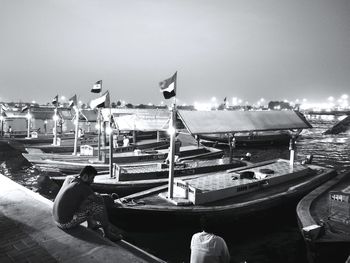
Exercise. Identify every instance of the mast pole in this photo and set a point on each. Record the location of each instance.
(99, 134)
(172, 150)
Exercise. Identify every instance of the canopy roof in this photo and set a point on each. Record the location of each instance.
(142, 120)
(205, 122)
(88, 115)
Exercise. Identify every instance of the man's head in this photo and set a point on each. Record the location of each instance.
(207, 224)
(87, 174)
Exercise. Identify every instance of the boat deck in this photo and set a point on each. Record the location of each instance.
(227, 180)
(150, 199)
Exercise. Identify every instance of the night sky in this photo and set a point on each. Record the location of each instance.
(275, 49)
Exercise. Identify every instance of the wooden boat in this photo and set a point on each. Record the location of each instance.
(131, 179)
(324, 220)
(228, 194)
(244, 139)
(68, 164)
(92, 142)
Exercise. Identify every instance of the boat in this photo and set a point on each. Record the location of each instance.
(324, 220)
(68, 164)
(248, 139)
(231, 194)
(131, 179)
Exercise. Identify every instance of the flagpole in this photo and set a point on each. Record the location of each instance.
(99, 134)
(172, 150)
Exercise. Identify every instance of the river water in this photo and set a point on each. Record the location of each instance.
(271, 237)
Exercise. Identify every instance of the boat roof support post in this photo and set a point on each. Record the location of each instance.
(232, 144)
(76, 122)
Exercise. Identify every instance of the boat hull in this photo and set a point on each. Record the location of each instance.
(331, 241)
(229, 209)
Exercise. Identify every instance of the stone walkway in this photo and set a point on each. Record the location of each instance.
(28, 234)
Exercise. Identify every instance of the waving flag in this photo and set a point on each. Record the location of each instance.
(25, 108)
(168, 87)
(101, 102)
(4, 108)
(55, 100)
(73, 101)
(97, 88)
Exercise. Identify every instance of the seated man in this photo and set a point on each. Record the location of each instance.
(76, 202)
(207, 247)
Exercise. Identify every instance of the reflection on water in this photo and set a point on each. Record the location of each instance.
(273, 237)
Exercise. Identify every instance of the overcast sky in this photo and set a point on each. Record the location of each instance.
(276, 49)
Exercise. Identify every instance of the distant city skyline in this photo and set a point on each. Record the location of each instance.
(247, 50)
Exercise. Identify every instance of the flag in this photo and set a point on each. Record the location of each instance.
(168, 87)
(101, 102)
(25, 108)
(4, 108)
(73, 101)
(55, 100)
(97, 88)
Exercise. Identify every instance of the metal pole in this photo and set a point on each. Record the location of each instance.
(2, 126)
(28, 128)
(134, 136)
(171, 153)
(99, 134)
(110, 148)
(292, 151)
(230, 148)
(55, 128)
(76, 130)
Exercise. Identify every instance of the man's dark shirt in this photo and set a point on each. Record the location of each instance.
(72, 194)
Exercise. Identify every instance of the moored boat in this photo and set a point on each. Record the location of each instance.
(69, 164)
(246, 139)
(131, 179)
(228, 194)
(324, 220)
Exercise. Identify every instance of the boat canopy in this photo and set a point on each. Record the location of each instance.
(142, 120)
(208, 122)
(88, 115)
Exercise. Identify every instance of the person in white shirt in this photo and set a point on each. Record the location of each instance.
(207, 247)
(126, 141)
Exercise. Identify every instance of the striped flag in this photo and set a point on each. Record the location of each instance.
(97, 88)
(4, 108)
(25, 108)
(168, 87)
(55, 100)
(101, 102)
(73, 101)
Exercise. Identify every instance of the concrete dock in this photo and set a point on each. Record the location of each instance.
(29, 234)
